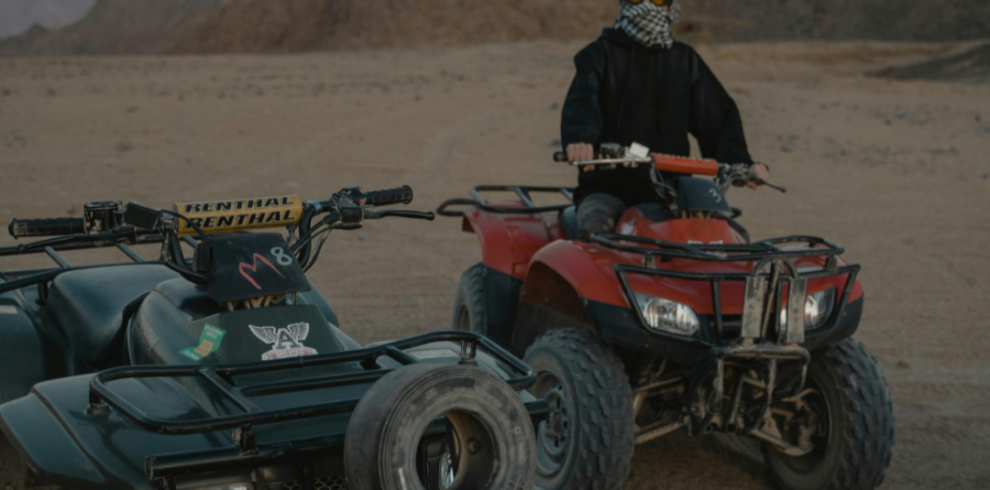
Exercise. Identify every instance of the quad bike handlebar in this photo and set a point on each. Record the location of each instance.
(116, 223)
(399, 195)
(114, 214)
(20, 228)
(613, 155)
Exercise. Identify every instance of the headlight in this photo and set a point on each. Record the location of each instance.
(666, 315)
(817, 308)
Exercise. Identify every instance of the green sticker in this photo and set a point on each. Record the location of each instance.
(209, 341)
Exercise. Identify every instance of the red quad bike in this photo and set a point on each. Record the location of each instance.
(677, 321)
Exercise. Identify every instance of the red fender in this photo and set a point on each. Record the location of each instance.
(509, 241)
(588, 272)
(520, 245)
(586, 268)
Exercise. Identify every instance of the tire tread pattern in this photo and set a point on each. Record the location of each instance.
(607, 439)
(868, 409)
(471, 293)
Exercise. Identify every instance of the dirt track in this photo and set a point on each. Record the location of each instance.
(895, 171)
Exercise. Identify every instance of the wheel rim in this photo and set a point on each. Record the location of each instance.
(553, 436)
(813, 422)
(446, 471)
(471, 460)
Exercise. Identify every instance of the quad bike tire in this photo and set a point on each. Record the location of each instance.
(588, 440)
(470, 307)
(860, 426)
(491, 430)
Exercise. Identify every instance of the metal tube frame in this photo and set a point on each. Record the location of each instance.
(222, 379)
(13, 280)
(522, 191)
(763, 252)
(761, 347)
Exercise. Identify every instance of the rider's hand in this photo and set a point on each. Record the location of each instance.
(761, 172)
(579, 152)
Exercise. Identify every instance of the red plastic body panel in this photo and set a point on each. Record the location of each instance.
(682, 165)
(509, 241)
(513, 243)
(589, 270)
(688, 231)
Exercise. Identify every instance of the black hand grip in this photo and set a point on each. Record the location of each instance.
(46, 227)
(560, 156)
(403, 195)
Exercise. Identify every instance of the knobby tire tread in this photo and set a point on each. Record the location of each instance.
(603, 392)
(869, 436)
(471, 292)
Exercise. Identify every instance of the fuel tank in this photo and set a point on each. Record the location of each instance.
(637, 222)
(179, 324)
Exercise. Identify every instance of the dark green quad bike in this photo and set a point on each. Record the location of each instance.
(226, 370)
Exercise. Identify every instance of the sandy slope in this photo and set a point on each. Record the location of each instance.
(895, 171)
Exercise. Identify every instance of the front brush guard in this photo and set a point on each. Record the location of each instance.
(762, 334)
(759, 320)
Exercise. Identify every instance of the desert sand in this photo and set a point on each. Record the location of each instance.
(896, 171)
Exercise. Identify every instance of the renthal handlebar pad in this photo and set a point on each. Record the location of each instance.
(560, 156)
(46, 227)
(386, 197)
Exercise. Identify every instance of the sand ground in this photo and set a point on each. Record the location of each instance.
(897, 172)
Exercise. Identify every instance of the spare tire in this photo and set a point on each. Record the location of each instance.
(489, 430)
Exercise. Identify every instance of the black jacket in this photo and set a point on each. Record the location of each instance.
(625, 92)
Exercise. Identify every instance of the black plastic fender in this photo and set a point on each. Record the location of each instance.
(44, 444)
(22, 352)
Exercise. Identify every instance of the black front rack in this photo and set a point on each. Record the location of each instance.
(719, 253)
(757, 321)
(762, 334)
(522, 191)
(221, 378)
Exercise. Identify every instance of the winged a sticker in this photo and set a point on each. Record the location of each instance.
(286, 342)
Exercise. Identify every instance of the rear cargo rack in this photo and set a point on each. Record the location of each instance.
(522, 191)
(757, 322)
(102, 397)
(221, 378)
(17, 279)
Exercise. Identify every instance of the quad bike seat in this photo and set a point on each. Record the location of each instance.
(89, 304)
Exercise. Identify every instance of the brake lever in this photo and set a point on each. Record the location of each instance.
(771, 184)
(400, 213)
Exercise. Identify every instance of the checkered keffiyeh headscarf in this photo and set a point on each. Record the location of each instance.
(649, 24)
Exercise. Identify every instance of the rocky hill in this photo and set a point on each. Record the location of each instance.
(17, 16)
(117, 27)
(265, 26)
(299, 25)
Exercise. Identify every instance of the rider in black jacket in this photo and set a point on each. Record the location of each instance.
(635, 84)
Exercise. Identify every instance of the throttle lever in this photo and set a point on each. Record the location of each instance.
(400, 213)
(771, 184)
